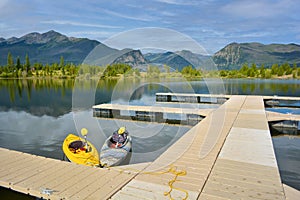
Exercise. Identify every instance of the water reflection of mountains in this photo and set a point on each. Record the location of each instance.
(52, 97)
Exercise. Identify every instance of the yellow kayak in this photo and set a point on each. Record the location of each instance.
(77, 151)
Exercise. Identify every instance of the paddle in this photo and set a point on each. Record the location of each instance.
(84, 133)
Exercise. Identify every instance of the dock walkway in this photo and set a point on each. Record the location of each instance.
(245, 168)
(54, 179)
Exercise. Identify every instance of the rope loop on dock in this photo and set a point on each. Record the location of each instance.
(172, 170)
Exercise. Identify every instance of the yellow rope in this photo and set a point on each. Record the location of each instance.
(172, 170)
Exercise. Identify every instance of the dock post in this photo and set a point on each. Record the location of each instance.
(169, 98)
(116, 114)
(159, 117)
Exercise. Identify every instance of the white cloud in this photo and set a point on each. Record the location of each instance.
(253, 35)
(178, 2)
(65, 22)
(257, 9)
(146, 18)
(97, 35)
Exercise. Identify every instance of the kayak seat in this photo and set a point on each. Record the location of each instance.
(111, 140)
(76, 145)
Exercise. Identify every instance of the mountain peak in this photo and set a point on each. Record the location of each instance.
(53, 34)
(131, 57)
(47, 47)
(234, 55)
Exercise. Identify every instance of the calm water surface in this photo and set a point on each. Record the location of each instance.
(36, 115)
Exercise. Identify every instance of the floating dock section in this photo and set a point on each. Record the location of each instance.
(192, 98)
(279, 101)
(184, 116)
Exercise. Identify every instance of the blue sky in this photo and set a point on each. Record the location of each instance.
(212, 23)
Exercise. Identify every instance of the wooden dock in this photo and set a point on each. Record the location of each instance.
(192, 98)
(269, 101)
(275, 116)
(54, 179)
(228, 155)
(151, 113)
(228, 158)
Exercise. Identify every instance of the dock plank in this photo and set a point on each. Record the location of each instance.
(246, 167)
(31, 174)
(194, 141)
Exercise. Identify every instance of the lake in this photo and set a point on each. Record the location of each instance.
(36, 115)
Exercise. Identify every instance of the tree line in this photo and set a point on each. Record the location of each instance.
(22, 70)
(252, 71)
(69, 70)
(61, 70)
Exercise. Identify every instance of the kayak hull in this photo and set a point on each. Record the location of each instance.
(76, 152)
(111, 155)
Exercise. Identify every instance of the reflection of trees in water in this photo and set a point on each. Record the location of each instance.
(11, 94)
(252, 88)
(18, 86)
(244, 87)
(262, 87)
(37, 96)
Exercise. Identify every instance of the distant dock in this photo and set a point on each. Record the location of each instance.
(192, 98)
(184, 116)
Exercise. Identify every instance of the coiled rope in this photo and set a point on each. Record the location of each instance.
(172, 170)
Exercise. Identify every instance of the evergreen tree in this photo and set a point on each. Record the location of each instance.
(253, 70)
(287, 68)
(280, 71)
(10, 60)
(253, 66)
(244, 69)
(27, 63)
(18, 65)
(268, 74)
(223, 73)
(62, 62)
(294, 66)
(274, 69)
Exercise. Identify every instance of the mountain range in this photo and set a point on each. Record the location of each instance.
(50, 46)
(46, 48)
(234, 55)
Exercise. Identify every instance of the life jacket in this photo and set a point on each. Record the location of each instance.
(119, 138)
